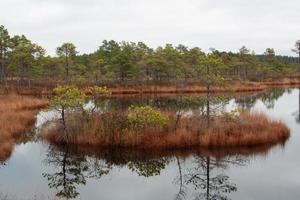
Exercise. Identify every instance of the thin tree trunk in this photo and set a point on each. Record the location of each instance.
(208, 109)
(63, 120)
(180, 177)
(64, 162)
(67, 69)
(207, 177)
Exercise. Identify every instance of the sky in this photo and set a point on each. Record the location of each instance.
(225, 25)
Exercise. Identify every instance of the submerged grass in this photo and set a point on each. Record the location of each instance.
(17, 114)
(109, 130)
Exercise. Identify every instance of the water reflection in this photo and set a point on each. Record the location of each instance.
(206, 178)
(194, 173)
(206, 182)
(268, 97)
(71, 170)
(69, 173)
(170, 103)
(195, 102)
(298, 112)
(198, 176)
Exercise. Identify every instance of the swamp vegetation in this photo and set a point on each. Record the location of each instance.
(69, 165)
(148, 127)
(17, 114)
(91, 132)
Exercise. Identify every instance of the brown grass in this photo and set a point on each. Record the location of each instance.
(188, 88)
(5, 150)
(235, 86)
(249, 130)
(169, 88)
(17, 114)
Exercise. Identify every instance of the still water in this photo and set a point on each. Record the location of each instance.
(36, 170)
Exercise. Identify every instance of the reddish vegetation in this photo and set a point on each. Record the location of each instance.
(5, 150)
(248, 130)
(170, 88)
(197, 88)
(17, 113)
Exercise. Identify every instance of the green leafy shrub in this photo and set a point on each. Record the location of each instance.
(140, 117)
(67, 96)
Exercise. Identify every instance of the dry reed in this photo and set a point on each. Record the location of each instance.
(17, 114)
(248, 130)
(171, 88)
(236, 86)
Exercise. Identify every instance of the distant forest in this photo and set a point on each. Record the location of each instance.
(23, 62)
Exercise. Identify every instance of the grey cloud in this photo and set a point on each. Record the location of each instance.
(225, 25)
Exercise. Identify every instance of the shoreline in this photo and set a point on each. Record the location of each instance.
(167, 88)
(236, 87)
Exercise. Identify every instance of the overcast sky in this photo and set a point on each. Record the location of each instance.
(221, 24)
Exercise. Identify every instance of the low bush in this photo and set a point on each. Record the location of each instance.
(145, 116)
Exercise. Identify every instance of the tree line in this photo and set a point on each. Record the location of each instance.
(23, 62)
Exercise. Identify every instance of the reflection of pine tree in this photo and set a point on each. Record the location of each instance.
(182, 189)
(298, 114)
(268, 97)
(203, 179)
(97, 167)
(72, 171)
(69, 174)
(206, 183)
(72, 168)
(148, 168)
(246, 102)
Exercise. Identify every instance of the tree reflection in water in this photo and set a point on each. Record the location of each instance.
(204, 177)
(297, 113)
(73, 166)
(71, 170)
(268, 98)
(206, 183)
(198, 176)
(148, 168)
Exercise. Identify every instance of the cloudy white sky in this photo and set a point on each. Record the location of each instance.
(221, 24)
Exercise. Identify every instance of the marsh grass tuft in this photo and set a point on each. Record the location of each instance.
(113, 129)
(17, 114)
